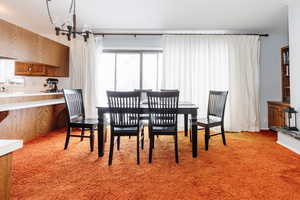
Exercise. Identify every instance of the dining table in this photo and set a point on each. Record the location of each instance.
(184, 108)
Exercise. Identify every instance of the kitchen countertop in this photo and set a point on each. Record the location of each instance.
(26, 94)
(8, 146)
(30, 104)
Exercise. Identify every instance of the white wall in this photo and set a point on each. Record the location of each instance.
(270, 73)
(294, 34)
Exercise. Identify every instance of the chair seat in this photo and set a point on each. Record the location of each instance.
(88, 122)
(211, 122)
(126, 130)
(163, 130)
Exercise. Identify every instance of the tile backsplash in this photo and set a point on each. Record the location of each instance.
(14, 83)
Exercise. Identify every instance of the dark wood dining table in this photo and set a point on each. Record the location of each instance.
(184, 108)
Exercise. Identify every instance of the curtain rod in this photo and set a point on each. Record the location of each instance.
(160, 34)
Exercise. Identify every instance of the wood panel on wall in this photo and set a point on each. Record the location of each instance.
(29, 123)
(5, 176)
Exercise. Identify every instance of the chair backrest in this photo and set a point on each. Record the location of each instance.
(168, 90)
(217, 103)
(74, 102)
(163, 108)
(124, 108)
(143, 93)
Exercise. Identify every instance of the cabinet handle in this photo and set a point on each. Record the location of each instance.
(29, 68)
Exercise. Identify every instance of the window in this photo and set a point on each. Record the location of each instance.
(129, 70)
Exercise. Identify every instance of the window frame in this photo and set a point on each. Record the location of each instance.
(129, 51)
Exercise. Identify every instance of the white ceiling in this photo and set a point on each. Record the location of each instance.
(265, 16)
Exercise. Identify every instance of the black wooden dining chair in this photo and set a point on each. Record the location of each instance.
(215, 116)
(76, 117)
(124, 109)
(163, 109)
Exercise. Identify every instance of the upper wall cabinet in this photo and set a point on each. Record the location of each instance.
(8, 35)
(53, 53)
(26, 46)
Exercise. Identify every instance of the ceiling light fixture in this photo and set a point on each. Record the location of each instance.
(68, 26)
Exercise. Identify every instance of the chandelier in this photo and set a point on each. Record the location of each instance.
(68, 26)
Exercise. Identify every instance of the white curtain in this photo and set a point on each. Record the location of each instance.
(84, 60)
(197, 64)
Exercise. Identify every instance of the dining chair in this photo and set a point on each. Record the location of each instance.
(163, 109)
(215, 116)
(124, 110)
(76, 117)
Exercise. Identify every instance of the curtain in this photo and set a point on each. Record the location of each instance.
(197, 64)
(83, 71)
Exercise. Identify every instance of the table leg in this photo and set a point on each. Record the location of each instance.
(194, 135)
(186, 118)
(100, 134)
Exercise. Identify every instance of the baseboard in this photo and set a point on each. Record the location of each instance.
(289, 142)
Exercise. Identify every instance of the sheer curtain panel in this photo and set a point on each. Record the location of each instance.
(84, 59)
(197, 64)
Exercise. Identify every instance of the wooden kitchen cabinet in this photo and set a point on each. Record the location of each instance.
(28, 69)
(8, 35)
(276, 114)
(32, 69)
(28, 47)
(53, 53)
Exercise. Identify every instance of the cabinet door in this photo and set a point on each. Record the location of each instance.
(7, 40)
(27, 45)
(28, 69)
(276, 115)
(22, 69)
(46, 51)
(38, 70)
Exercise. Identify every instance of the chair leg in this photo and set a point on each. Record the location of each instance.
(82, 134)
(92, 137)
(138, 149)
(151, 148)
(176, 148)
(223, 134)
(153, 141)
(118, 143)
(143, 139)
(105, 134)
(68, 137)
(190, 133)
(111, 150)
(207, 136)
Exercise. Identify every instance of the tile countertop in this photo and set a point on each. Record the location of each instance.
(26, 94)
(30, 104)
(8, 146)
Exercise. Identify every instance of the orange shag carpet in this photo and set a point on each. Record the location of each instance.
(251, 166)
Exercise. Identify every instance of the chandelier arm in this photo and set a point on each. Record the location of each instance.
(74, 18)
(69, 12)
(48, 10)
